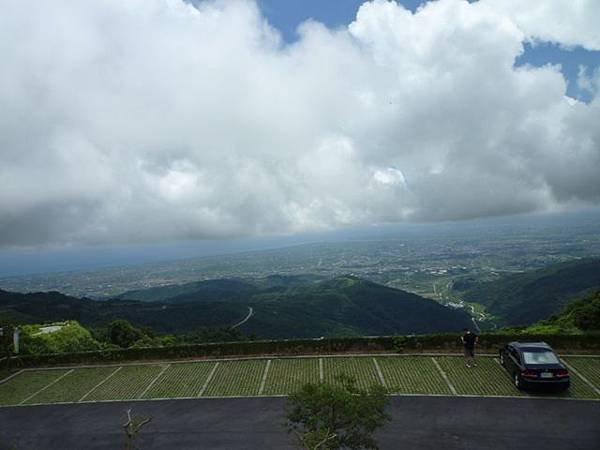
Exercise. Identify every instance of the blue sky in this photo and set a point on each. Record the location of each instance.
(286, 15)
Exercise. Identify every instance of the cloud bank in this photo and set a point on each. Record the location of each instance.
(150, 120)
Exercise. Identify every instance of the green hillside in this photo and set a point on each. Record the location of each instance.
(282, 308)
(206, 291)
(348, 306)
(218, 290)
(525, 298)
(57, 337)
(581, 315)
(41, 307)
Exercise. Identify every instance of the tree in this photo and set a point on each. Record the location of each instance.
(132, 428)
(123, 334)
(7, 343)
(330, 417)
(586, 312)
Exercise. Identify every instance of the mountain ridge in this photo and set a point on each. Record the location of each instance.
(344, 305)
(525, 298)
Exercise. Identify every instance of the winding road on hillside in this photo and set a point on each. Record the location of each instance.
(257, 423)
(250, 313)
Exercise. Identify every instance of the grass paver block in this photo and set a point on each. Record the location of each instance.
(287, 375)
(362, 369)
(17, 389)
(4, 373)
(128, 383)
(488, 378)
(73, 386)
(412, 375)
(402, 375)
(236, 378)
(181, 380)
(588, 367)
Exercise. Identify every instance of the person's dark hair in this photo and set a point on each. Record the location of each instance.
(466, 329)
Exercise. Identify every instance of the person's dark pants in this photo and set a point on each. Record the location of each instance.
(470, 356)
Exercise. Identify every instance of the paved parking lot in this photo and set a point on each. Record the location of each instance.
(424, 423)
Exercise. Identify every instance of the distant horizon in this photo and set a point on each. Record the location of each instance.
(17, 263)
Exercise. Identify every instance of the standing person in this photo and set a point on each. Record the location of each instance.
(469, 340)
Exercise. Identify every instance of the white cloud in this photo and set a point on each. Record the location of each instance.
(566, 22)
(146, 120)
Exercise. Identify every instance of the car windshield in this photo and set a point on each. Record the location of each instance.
(540, 357)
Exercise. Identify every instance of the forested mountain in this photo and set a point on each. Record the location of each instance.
(222, 289)
(524, 298)
(205, 291)
(43, 307)
(349, 306)
(580, 315)
(282, 308)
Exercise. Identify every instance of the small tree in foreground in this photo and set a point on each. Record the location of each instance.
(132, 428)
(331, 417)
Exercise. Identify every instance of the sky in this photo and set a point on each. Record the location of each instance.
(287, 15)
(151, 121)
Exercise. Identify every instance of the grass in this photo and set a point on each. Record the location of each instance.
(128, 383)
(412, 375)
(287, 375)
(236, 378)
(402, 374)
(181, 380)
(4, 373)
(25, 384)
(73, 386)
(488, 378)
(588, 367)
(362, 369)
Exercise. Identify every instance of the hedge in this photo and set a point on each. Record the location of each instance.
(402, 344)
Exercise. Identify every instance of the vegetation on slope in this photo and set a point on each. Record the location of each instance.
(524, 298)
(578, 316)
(41, 307)
(207, 291)
(58, 337)
(346, 306)
(284, 307)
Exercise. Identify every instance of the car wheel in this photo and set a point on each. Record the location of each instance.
(517, 380)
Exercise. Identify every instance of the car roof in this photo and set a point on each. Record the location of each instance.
(531, 345)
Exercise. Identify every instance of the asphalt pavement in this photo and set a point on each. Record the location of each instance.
(258, 423)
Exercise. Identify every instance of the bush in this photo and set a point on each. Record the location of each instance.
(123, 334)
(70, 337)
(330, 417)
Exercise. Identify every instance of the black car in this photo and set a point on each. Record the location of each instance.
(534, 365)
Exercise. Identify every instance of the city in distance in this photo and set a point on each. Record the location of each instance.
(444, 262)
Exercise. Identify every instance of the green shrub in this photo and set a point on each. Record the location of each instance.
(123, 334)
(71, 337)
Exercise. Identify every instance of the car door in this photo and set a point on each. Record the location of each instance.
(514, 360)
(506, 359)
